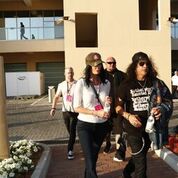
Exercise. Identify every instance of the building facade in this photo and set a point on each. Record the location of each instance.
(61, 33)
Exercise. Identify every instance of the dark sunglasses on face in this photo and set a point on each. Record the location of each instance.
(111, 62)
(142, 63)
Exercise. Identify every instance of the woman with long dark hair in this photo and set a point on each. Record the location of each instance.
(90, 97)
(138, 97)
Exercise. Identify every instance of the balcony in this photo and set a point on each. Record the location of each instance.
(40, 33)
(38, 39)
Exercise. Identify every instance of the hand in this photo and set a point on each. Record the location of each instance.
(102, 113)
(52, 112)
(135, 120)
(156, 112)
(108, 99)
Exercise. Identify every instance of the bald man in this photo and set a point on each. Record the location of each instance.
(115, 76)
(66, 90)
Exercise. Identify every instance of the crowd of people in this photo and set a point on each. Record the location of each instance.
(107, 101)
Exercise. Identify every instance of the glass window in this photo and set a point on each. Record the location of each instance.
(36, 22)
(10, 28)
(49, 33)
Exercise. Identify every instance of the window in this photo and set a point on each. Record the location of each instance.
(86, 30)
(148, 15)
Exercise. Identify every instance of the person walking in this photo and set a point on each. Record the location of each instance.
(66, 90)
(115, 76)
(22, 31)
(174, 80)
(92, 102)
(136, 93)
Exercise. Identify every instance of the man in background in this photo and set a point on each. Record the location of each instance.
(115, 76)
(174, 80)
(66, 91)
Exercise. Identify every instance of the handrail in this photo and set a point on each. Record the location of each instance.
(12, 33)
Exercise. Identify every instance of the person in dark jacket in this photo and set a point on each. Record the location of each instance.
(115, 76)
(134, 104)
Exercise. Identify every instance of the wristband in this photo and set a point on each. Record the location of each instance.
(53, 108)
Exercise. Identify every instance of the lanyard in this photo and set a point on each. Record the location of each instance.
(69, 86)
(97, 94)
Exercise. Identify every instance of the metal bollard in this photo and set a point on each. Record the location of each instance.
(51, 93)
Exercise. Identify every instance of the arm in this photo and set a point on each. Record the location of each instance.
(133, 119)
(55, 100)
(53, 107)
(99, 113)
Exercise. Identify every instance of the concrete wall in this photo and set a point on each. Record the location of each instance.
(31, 45)
(119, 34)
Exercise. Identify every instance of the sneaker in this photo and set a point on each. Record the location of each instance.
(119, 156)
(70, 155)
(107, 148)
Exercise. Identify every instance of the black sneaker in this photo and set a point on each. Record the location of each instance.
(70, 155)
(107, 148)
(119, 156)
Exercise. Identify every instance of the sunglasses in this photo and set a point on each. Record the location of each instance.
(111, 62)
(142, 63)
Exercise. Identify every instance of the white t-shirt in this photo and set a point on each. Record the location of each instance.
(85, 97)
(67, 93)
(174, 80)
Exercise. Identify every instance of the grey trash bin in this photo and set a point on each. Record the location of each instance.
(51, 93)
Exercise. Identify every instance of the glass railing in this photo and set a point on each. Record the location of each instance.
(32, 33)
(174, 31)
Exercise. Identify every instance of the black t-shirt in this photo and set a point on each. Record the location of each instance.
(136, 96)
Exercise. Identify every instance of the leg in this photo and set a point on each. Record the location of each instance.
(91, 136)
(174, 90)
(72, 130)
(100, 134)
(120, 141)
(117, 137)
(139, 160)
(66, 118)
(108, 137)
(120, 148)
(108, 143)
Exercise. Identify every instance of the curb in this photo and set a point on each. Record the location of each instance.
(169, 157)
(43, 164)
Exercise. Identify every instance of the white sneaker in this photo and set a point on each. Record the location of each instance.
(70, 155)
(117, 159)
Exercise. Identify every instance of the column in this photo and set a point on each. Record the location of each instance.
(4, 141)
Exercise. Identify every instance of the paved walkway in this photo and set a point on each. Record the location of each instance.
(60, 167)
(29, 119)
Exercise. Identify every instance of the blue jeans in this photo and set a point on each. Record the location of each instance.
(138, 163)
(70, 120)
(91, 136)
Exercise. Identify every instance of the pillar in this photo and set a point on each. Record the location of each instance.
(4, 142)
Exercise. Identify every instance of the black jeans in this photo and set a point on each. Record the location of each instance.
(91, 136)
(70, 120)
(138, 163)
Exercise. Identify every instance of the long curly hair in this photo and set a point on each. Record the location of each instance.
(137, 57)
(87, 75)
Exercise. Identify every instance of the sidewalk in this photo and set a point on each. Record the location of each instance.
(29, 119)
(60, 167)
